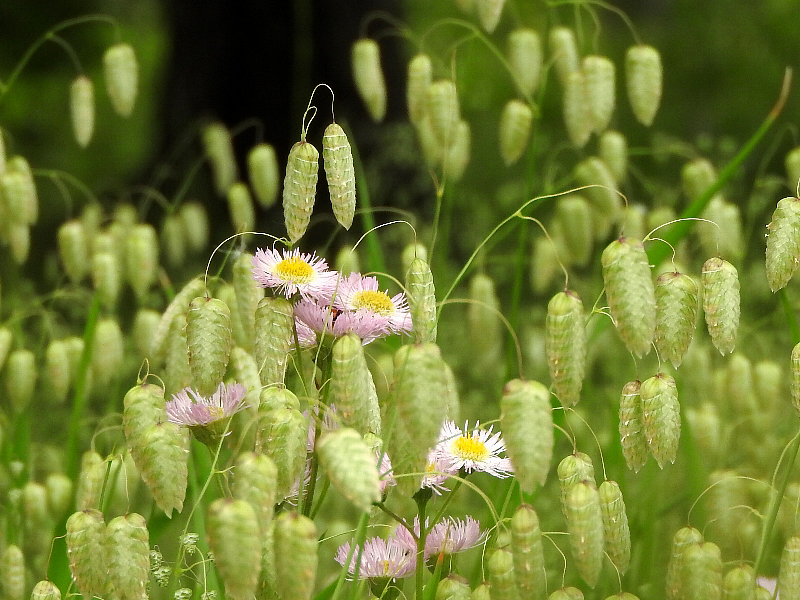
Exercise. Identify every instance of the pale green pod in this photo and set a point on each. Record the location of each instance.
(45, 590)
(75, 347)
(574, 468)
(683, 538)
(347, 261)
(421, 295)
(59, 489)
(218, 148)
(602, 194)
(420, 73)
(769, 382)
(676, 315)
(295, 556)
(128, 547)
(739, 584)
(564, 52)
(122, 77)
(793, 168)
(702, 571)
(631, 428)
(565, 346)
(489, 12)
(457, 154)
(209, 339)
(444, 111)
(616, 532)
(73, 249)
(57, 370)
(453, 587)
(12, 572)
(432, 150)
(697, 176)
(720, 292)
(499, 568)
(194, 217)
(244, 370)
(350, 465)
(661, 417)
(240, 207)
(268, 581)
(612, 148)
(233, 536)
(794, 382)
(585, 527)
(274, 338)
(81, 107)
(108, 351)
(481, 592)
(106, 278)
(90, 481)
(300, 188)
(567, 593)
(177, 374)
(789, 573)
(163, 464)
(783, 243)
(368, 76)
(6, 338)
(630, 293)
(87, 552)
(514, 130)
(255, 479)
(575, 215)
(143, 406)
(528, 553)
(352, 389)
(19, 239)
(337, 159)
(273, 397)
(38, 523)
(524, 56)
(643, 74)
(600, 75)
(172, 239)
(485, 327)
(21, 198)
(577, 116)
(20, 378)
(227, 294)
(141, 258)
(143, 331)
(262, 168)
(283, 436)
(248, 295)
(739, 393)
(178, 305)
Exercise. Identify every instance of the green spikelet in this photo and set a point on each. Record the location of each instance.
(444, 111)
(295, 555)
(453, 587)
(630, 293)
(240, 207)
(233, 535)
(485, 327)
(616, 532)
(697, 176)
(106, 278)
(577, 117)
(574, 468)
(350, 465)
(209, 339)
(631, 427)
(81, 106)
(422, 301)
(87, 552)
(179, 304)
(227, 294)
(38, 523)
(528, 552)
(108, 352)
(352, 388)
(643, 73)
(524, 56)
(283, 438)
(255, 481)
(368, 76)
(565, 346)
(177, 375)
(661, 417)
(19, 239)
(122, 77)
(564, 52)
(45, 590)
(612, 148)
(300, 188)
(793, 167)
(515, 130)
(575, 215)
(739, 584)
(783, 243)
(268, 582)
(676, 315)
(262, 167)
(432, 150)
(623, 596)
(278, 397)
(143, 406)
(457, 155)
(794, 384)
(567, 593)
(489, 12)
(683, 538)
(603, 197)
(194, 217)
(481, 592)
(128, 547)
(527, 424)
(789, 573)
(21, 197)
(500, 571)
(12, 573)
(90, 481)
(274, 338)
(339, 171)
(420, 70)
(245, 371)
(248, 295)
(421, 400)
(600, 75)
(144, 328)
(172, 238)
(20, 376)
(720, 292)
(57, 371)
(141, 258)
(702, 571)
(219, 151)
(73, 250)
(163, 463)
(585, 527)
(59, 494)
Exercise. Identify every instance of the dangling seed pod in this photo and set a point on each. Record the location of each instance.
(300, 188)
(702, 571)
(57, 371)
(577, 117)
(422, 300)
(489, 12)
(86, 550)
(143, 406)
(338, 161)
(631, 428)
(368, 77)
(59, 494)
(81, 105)
(567, 593)
(295, 555)
(179, 304)
(481, 592)
(457, 155)
(574, 468)
(616, 532)
(564, 52)
(661, 417)
(127, 541)
(683, 538)
(352, 387)
(283, 438)
(141, 258)
(177, 373)
(221, 158)
(144, 328)
(720, 292)
(630, 293)
(19, 239)
(793, 168)
(210, 340)
(499, 567)
(21, 375)
(19, 191)
(565, 346)
(420, 70)
(274, 338)
(643, 73)
(515, 130)
(108, 352)
(106, 278)
(612, 148)
(676, 315)
(73, 250)
(273, 397)
(444, 111)
(163, 464)
(575, 215)
(600, 75)
(240, 207)
(602, 194)
(255, 481)
(233, 535)
(262, 167)
(45, 590)
(122, 77)
(350, 465)
(528, 553)
(739, 583)
(789, 573)
(90, 481)
(783, 243)
(248, 295)
(194, 217)
(485, 327)
(524, 57)
(453, 587)
(12, 572)
(585, 527)
(432, 150)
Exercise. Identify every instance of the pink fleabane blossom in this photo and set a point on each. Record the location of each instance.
(473, 450)
(380, 559)
(320, 318)
(189, 408)
(437, 472)
(292, 272)
(360, 295)
(448, 536)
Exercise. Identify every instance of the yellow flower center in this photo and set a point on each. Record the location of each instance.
(377, 302)
(386, 568)
(470, 448)
(294, 269)
(216, 412)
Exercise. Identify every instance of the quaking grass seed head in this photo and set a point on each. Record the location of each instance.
(295, 555)
(128, 547)
(661, 417)
(209, 339)
(338, 161)
(720, 292)
(565, 346)
(676, 315)
(81, 105)
(783, 243)
(524, 55)
(577, 116)
(218, 148)
(350, 466)
(631, 427)
(643, 75)
(121, 71)
(515, 129)
(585, 527)
(422, 300)
(600, 75)
(528, 552)
(86, 541)
(262, 168)
(616, 531)
(564, 52)
(368, 77)
(300, 188)
(420, 73)
(233, 536)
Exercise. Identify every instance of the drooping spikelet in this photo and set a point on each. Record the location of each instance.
(141, 258)
(602, 194)
(720, 291)
(444, 111)
(643, 73)
(489, 12)
(350, 465)
(295, 555)
(422, 300)
(352, 388)
(616, 532)
(368, 77)
(12, 572)
(524, 55)
(661, 417)
(676, 315)
(248, 295)
(702, 571)
(789, 573)
(567, 593)
(128, 547)
(739, 583)
(177, 374)
(87, 553)
(57, 371)
(300, 188)
(631, 428)
(793, 168)
(45, 590)
(179, 304)
(73, 249)
(577, 117)
(564, 52)
(255, 479)
(528, 553)
(630, 293)
(612, 148)
(90, 481)
(585, 527)
(600, 74)
(209, 340)
(219, 151)
(240, 207)
(81, 106)
(143, 406)
(262, 168)
(122, 77)
(683, 538)
(20, 378)
(499, 567)
(163, 464)
(194, 217)
(233, 535)
(283, 436)
(108, 351)
(457, 155)
(453, 587)
(514, 130)
(274, 338)
(106, 272)
(338, 162)
(565, 346)
(420, 70)
(19, 192)
(783, 243)
(574, 214)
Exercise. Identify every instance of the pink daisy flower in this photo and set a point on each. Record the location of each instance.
(321, 318)
(292, 272)
(361, 295)
(189, 408)
(448, 536)
(473, 450)
(380, 559)
(437, 472)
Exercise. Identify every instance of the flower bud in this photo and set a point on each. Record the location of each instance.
(702, 571)
(255, 481)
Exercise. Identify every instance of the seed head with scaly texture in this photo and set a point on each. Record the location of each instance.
(526, 419)
(300, 188)
(565, 346)
(676, 315)
(661, 417)
(295, 555)
(783, 243)
(350, 466)
(721, 303)
(338, 161)
(631, 427)
(209, 338)
(585, 527)
(233, 535)
(616, 532)
(128, 547)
